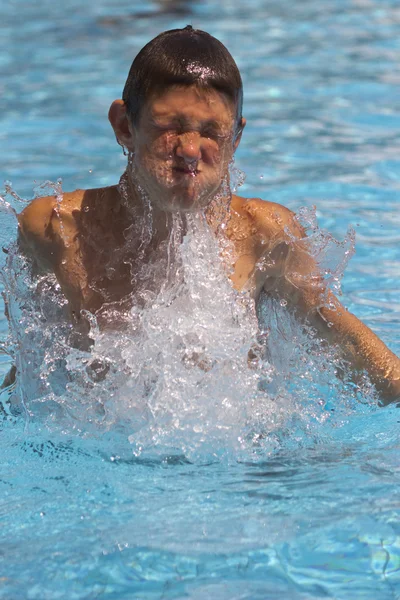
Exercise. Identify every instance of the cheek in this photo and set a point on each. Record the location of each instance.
(218, 162)
(216, 154)
(153, 168)
(163, 147)
(211, 154)
(154, 150)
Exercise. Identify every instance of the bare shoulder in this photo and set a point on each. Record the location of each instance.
(37, 218)
(39, 226)
(268, 217)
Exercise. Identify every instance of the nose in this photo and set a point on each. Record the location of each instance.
(189, 147)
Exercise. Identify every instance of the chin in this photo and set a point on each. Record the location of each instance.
(191, 205)
(182, 206)
(186, 201)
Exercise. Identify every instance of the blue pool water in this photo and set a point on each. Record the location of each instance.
(254, 496)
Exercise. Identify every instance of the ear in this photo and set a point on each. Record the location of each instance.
(239, 132)
(120, 122)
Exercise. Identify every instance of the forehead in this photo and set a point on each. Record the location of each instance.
(191, 104)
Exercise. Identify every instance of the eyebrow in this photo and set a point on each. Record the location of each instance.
(176, 120)
(184, 122)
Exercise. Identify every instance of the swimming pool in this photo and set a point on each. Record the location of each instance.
(310, 509)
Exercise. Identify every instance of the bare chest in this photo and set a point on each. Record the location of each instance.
(109, 263)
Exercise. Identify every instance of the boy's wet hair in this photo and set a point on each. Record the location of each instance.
(182, 57)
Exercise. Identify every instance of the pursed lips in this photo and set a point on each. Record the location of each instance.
(186, 170)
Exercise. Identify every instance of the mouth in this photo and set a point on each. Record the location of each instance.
(186, 171)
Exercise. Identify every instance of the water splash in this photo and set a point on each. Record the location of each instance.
(236, 177)
(330, 255)
(194, 369)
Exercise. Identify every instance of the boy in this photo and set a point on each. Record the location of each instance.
(180, 122)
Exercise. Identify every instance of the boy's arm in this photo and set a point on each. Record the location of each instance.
(294, 276)
(361, 346)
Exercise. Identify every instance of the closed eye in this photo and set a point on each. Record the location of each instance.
(213, 133)
(209, 130)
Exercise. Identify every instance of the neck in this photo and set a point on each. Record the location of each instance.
(159, 223)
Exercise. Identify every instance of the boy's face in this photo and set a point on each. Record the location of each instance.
(182, 146)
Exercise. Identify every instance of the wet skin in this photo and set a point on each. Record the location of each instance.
(181, 146)
(180, 151)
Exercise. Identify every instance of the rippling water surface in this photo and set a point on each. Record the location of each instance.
(241, 485)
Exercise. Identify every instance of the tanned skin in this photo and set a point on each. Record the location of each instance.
(180, 151)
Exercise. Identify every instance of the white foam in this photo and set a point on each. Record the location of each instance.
(176, 375)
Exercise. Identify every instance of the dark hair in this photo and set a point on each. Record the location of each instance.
(182, 57)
